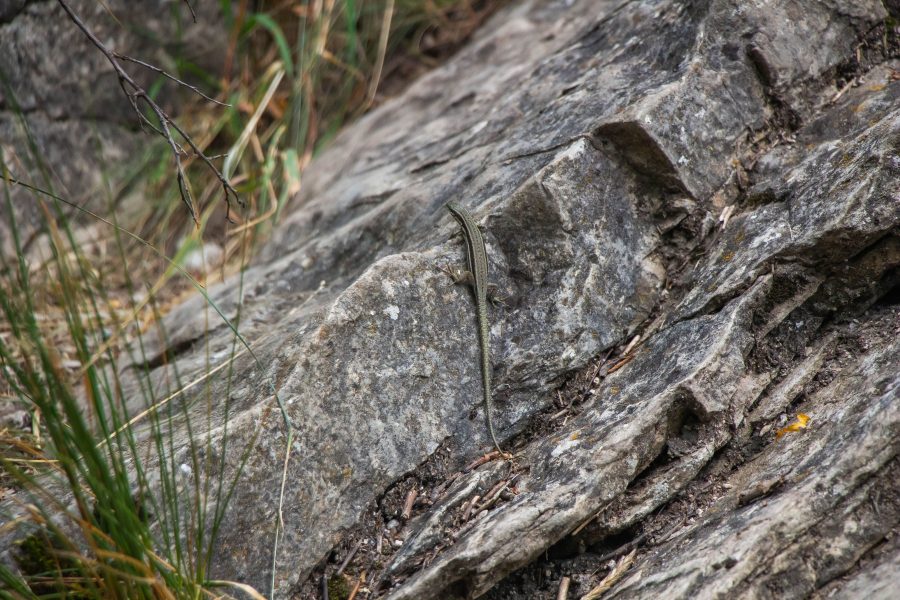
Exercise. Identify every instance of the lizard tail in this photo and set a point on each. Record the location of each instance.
(488, 405)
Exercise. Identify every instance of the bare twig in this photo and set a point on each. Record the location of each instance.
(496, 492)
(843, 91)
(410, 502)
(634, 341)
(726, 215)
(467, 509)
(627, 359)
(563, 592)
(137, 94)
(665, 538)
(560, 413)
(486, 458)
(349, 557)
(359, 582)
(440, 490)
(602, 364)
(191, 8)
(624, 548)
(156, 69)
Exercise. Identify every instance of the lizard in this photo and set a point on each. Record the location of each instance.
(476, 277)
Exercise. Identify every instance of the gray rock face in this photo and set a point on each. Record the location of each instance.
(10, 8)
(597, 143)
(61, 91)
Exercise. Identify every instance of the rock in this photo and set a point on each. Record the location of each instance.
(598, 144)
(9, 9)
(595, 145)
(203, 260)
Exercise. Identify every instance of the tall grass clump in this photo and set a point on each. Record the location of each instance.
(109, 505)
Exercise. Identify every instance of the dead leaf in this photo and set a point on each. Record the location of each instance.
(797, 425)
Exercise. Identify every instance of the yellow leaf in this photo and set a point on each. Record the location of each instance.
(797, 425)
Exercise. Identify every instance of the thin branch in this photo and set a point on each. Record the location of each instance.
(191, 8)
(563, 591)
(137, 94)
(156, 69)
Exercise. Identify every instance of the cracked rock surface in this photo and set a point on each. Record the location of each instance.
(719, 178)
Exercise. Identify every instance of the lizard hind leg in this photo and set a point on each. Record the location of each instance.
(494, 296)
